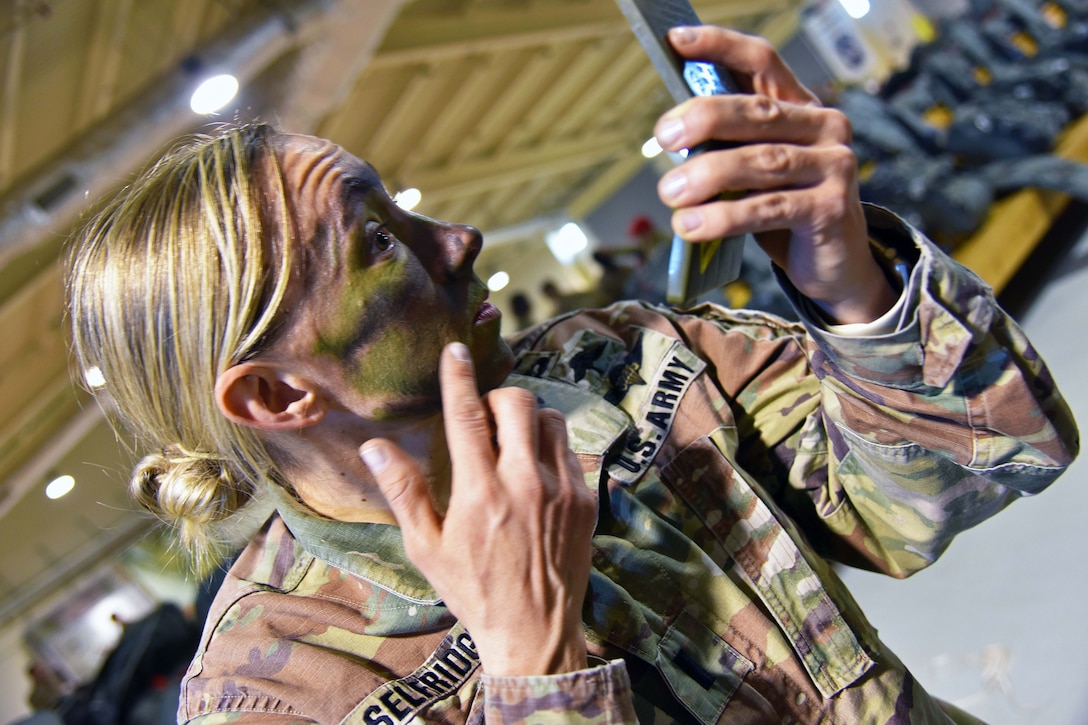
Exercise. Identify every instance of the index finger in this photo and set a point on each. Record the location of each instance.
(467, 423)
(752, 59)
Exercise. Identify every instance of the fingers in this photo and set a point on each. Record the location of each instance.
(758, 213)
(752, 60)
(754, 167)
(405, 490)
(788, 187)
(741, 118)
(554, 453)
(467, 422)
(516, 420)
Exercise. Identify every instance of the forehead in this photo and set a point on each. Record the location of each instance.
(319, 171)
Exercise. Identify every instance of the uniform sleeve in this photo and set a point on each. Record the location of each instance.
(599, 695)
(923, 432)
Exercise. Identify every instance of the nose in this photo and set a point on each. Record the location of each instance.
(463, 244)
(450, 250)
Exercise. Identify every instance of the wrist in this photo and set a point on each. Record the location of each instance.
(879, 289)
(526, 656)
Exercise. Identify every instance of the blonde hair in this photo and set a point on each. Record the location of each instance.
(178, 277)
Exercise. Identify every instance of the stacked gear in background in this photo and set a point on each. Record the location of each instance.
(976, 115)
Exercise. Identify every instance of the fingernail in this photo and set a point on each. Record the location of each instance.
(375, 457)
(669, 131)
(460, 351)
(690, 220)
(673, 186)
(682, 35)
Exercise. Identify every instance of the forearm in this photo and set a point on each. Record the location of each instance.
(934, 426)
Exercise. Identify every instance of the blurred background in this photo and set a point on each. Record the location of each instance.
(532, 120)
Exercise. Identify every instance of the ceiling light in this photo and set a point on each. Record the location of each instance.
(213, 94)
(59, 486)
(856, 8)
(497, 281)
(567, 242)
(651, 148)
(408, 199)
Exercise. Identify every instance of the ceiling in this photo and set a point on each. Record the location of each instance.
(507, 114)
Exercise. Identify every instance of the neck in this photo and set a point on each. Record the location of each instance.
(330, 478)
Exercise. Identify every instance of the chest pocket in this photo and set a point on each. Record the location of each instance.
(766, 554)
(701, 669)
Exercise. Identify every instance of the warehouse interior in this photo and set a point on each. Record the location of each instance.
(528, 119)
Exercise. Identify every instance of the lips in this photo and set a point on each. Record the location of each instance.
(487, 312)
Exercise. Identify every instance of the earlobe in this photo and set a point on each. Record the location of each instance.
(261, 396)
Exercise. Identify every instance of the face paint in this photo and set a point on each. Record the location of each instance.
(389, 289)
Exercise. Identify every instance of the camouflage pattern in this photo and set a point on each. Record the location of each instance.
(735, 455)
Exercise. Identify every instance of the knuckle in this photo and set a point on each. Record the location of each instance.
(762, 109)
(513, 402)
(553, 419)
(397, 486)
(699, 117)
(471, 418)
(512, 397)
(763, 51)
(837, 125)
(772, 158)
(832, 207)
(773, 207)
(843, 162)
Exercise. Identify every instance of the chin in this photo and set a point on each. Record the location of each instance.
(493, 367)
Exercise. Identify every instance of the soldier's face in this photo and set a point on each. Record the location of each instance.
(384, 289)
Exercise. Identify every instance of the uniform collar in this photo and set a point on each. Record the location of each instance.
(375, 552)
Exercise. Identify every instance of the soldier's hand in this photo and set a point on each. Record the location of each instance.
(795, 161)
(511, 554)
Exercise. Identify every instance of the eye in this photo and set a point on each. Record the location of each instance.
(381, 239)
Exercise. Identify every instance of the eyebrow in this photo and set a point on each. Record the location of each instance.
(360, 180)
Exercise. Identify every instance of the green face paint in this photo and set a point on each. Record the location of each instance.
(387, 290)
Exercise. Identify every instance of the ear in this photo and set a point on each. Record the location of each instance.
(260, 395)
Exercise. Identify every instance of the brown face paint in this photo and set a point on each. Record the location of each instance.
(378, 330)
(385, 291)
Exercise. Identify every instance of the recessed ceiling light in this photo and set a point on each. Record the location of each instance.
(59, 486)
(408, 199)
(213, 94)
(566, 242)
(856, 8)
(497, 281)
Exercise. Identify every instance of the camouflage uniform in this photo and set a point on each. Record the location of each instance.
(734, 455)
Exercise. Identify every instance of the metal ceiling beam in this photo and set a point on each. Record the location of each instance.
(106, 156)
(10, 101)
(472, 176)
(350, 33)
(437, 36)
(579, 80)
(100, 73)
(537, 72)
(605, 185)
(33, 474)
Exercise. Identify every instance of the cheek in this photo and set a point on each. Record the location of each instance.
(401, 361)
(357, 311)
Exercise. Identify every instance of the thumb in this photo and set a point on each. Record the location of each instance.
(404, 489)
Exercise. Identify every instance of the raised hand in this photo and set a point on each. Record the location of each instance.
(795, 161)
(510, 556)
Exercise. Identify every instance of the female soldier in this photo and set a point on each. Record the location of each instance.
(264, 314)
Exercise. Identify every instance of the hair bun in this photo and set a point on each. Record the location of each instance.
(185, 486)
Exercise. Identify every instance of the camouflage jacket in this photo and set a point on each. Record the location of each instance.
(735, 456)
